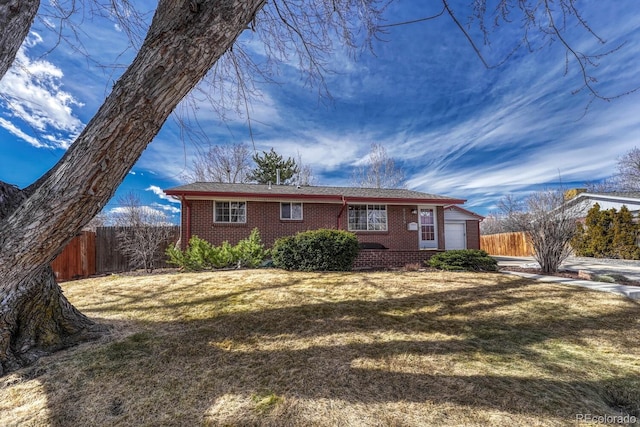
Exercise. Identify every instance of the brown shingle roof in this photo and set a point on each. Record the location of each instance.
(328, 194)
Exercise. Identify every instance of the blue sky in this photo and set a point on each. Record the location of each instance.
(455, 127)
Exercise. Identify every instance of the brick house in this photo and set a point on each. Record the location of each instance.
(395, 227)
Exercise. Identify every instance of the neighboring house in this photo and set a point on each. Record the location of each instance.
(395, 227)
(585, 201)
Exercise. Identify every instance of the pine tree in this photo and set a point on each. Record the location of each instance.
(268, 165)
(599, 233)
(625, 232)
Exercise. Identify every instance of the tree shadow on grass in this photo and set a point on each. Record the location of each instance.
(473, 347)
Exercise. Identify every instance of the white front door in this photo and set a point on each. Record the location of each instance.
(454, 236)
(427, 228)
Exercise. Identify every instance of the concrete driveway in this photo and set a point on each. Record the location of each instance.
(629, 269)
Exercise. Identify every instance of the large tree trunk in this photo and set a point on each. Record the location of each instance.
(16, 17)
(185, 39)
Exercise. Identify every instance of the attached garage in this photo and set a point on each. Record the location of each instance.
(455, 235)
(461, 228)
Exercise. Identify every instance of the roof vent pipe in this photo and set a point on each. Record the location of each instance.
(269, 185)
(277, 176)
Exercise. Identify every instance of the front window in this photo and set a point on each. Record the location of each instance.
(232, 212)
(367, 217)
(291, 211)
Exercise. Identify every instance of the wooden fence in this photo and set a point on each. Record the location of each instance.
(96, 253)
(78, 259)
(109, 259)
(506, 244)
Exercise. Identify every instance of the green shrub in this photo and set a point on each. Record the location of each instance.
(202, 255)
(316, 250)
(222, 256)
(250, 252)
(463, 260)
(195, 257)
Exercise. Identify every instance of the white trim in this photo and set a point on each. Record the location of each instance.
(291, 211)
(215, 202)
(366, 205)
(428, 244)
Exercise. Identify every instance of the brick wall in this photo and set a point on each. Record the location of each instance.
(370, 258)
(402, 243)
(473, 234)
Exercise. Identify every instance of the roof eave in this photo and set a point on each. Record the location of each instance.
(319, 197)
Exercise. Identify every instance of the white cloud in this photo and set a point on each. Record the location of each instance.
(32, 93)
(166, 208)
(158, 192)
(150, 213)
(20, 134)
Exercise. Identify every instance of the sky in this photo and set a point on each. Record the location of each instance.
(454, 126)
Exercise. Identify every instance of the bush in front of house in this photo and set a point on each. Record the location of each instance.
(202, 255)
(316, 250)
(250, 252)
(463, 260)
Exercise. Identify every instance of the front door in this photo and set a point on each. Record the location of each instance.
(427, 227)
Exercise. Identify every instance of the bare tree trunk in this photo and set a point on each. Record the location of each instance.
(185, 39)
(36, 319)
(16, 17)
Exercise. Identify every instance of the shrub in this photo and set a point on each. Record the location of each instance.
(195, 257)
(316, 250)
(202, 255)
(250, 252)
(463, 260)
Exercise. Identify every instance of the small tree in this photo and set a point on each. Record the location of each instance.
(628, 175)
(378, 171)
(550, 225)
(304, 175)
(222, 163)
(143, 232)
(271, 166)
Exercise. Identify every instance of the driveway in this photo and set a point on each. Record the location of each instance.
(629, 269)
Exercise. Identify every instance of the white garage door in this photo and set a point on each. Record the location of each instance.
(454, 236)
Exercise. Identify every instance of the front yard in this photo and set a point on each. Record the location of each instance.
(267, 347)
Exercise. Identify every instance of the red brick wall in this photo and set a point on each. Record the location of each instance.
(402, 244)
(473, 234)
(368, 258)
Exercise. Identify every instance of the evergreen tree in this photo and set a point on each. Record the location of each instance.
(268, 165)
(607, 234)
(625, 232)
(600, 231)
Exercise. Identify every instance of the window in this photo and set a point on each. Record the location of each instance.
(367, 217)
(291, 211)
(233, 212)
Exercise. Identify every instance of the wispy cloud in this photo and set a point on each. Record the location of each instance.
(32, 92)
(158, 192)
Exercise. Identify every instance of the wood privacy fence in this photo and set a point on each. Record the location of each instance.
(78, 259)
(92, 253)
(506, 244)
(109, 259)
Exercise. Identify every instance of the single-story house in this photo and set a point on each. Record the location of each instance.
(586, 200)
(395, 227)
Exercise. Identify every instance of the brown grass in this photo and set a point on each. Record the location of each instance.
(332, 349)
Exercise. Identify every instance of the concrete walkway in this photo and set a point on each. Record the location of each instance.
(628, 269)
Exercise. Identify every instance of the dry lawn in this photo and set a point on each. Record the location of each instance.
(274, 348)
